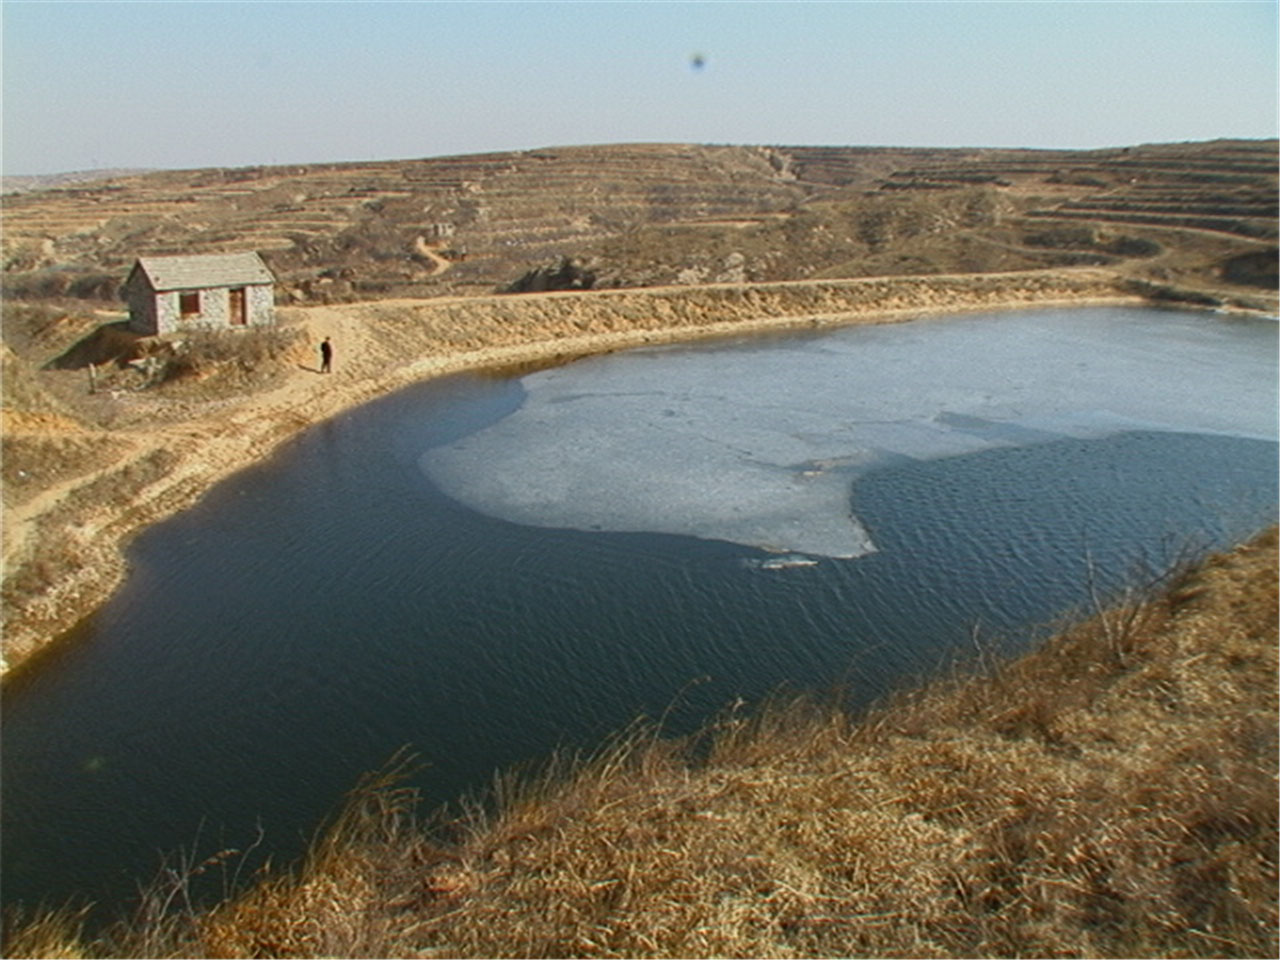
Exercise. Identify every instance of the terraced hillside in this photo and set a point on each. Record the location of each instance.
(1198, 214)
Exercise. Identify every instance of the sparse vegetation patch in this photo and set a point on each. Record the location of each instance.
(238, 358)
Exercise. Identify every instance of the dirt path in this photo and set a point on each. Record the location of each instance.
(423, 249)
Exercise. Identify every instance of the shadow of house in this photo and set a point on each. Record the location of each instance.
(225, 290)
(110, 343)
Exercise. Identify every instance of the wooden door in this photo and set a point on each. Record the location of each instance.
(237, 316)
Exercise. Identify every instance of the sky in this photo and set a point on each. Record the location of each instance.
(180, 84)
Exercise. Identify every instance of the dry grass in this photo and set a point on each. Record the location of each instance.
(1110, 794)
(31, 583)
(210, 364)
(31, 463)
(53, 934)
(51, 348)
(33, 336)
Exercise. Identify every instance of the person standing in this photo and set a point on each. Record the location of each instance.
(326, 356)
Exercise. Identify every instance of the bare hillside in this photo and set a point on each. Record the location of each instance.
(642, 215)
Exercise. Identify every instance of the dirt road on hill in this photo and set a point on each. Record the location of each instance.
(63, 545)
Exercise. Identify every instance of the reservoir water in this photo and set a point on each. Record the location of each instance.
(485, 568)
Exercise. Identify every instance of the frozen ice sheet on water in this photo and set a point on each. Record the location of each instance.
(631, 461)
(761, 443)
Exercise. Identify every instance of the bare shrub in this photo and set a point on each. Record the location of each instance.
(206, 350)
(62, 281)
(349, 898)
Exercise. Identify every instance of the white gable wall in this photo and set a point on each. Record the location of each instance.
(260, 304)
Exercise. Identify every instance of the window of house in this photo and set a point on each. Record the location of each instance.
(189, 304)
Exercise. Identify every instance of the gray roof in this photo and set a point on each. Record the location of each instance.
(210, 270)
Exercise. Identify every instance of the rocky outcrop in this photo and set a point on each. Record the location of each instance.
(565, 273)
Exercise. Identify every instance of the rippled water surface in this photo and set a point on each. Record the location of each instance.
(486, 568)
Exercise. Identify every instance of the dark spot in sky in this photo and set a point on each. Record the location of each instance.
(697, 61)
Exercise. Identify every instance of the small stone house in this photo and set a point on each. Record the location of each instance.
(168, 294)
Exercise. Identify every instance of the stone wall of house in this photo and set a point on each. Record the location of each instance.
(215, 308)
(167, 311)
(260, 303)
(142, 309)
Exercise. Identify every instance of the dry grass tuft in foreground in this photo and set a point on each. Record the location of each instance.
(1111, 794)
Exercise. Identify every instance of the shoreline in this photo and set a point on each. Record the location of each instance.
(450, 336)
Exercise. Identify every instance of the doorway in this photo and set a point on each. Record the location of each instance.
(237, 317)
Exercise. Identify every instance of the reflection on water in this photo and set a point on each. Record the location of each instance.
(315, 614)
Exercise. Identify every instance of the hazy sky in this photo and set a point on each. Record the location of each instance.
(193, 84)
